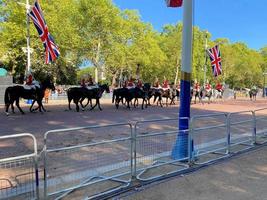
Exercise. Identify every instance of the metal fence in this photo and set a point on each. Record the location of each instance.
(242, 130)
(99, 160)
(261, 128)
(154, 141)
(19, 173)
(73, 168)
(209, 137)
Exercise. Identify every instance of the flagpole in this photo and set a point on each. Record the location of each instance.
(205, 65)
(28, 36)
(180, 149)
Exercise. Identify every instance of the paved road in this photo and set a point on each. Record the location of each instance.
(59, 117)
(240, 178)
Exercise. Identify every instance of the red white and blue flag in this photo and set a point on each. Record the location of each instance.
(215, 58)
(174, 3)
(51, 49)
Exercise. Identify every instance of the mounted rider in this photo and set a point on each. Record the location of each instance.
(83, 82)
(130, 83)
(196, 86)
(156, 83)
(139, 83)
(219, 87)
(30, 82)
(165, 84)
(208, 86)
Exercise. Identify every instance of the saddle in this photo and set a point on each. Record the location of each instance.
(34, 86)
(91, 87)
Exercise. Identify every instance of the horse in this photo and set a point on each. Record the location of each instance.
(118, 95)
(129, 95)
(143, 94)
(205, 93)
(217, 94)
(78, 94)
(253, 94)
(195, 94)
(14, 93)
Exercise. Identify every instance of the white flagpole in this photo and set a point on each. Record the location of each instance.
(180, 149)
(28, 36)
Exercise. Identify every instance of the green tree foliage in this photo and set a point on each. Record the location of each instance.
(115, 41)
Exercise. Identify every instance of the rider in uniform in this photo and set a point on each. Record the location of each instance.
(156, 83)
(196, 86)
(31, 83)
(165, 84)
(130, 83)
(219, 87)
(139, 83)
(208, 87)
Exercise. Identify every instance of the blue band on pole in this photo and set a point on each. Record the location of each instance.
(180, 149)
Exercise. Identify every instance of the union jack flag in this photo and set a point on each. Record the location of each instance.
(51, 49)
(174, 3)
(215, 58)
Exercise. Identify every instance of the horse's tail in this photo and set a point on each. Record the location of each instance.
(113, 96)
(7, 97)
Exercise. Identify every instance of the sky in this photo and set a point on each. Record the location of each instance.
(238, 20)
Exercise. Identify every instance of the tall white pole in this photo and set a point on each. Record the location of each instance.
(205, 65)
(180, 149)
(28, 36)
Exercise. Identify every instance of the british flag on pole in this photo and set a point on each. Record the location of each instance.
(215, 58)
(51, 49)
(174, 3)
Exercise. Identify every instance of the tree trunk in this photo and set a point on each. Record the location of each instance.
(114, 77)
(177, 71)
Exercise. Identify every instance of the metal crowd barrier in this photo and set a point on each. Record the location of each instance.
(209, 140)
(79, 166)
(242, 130)
(261, 121)
(19, 173)
(96, 167)
(154, 141)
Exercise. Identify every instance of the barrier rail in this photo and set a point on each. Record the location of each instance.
(87, 164)
(19, 174)
(207, 142)
(261, 121)
(98, 167)
(153, 147)
(242, 130)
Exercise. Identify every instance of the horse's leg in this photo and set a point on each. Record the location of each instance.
(40, 105)
(17, 104)
(167, 101)
(76, 101)
(31, 110)
(135, 100)
(12, 108)
(69, 99)
(7, 107)
(98, 103)
(143, 104)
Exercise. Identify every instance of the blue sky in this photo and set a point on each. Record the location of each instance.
(238, 20)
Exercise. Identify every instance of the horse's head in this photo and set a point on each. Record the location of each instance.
(105, 88)
(48, 83)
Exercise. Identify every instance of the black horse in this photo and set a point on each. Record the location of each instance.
(78, 94)
(253, 94)
(129, 95)
(14, 93)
